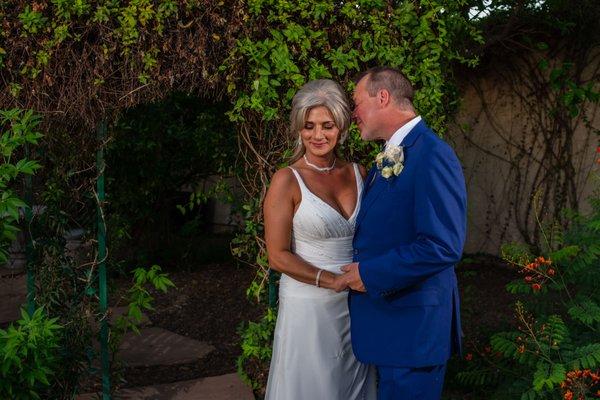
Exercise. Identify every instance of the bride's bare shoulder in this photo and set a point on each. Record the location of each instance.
(283, 180)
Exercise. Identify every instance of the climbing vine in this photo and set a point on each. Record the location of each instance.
(546, 69)
(81, 61)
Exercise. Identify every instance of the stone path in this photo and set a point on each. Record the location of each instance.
(154, 346)
(224, 387)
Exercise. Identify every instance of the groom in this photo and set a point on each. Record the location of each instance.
(410, 232)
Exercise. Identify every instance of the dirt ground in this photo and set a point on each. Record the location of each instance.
(486, 307)
(210, 302)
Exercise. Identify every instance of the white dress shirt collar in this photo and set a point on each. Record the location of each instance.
(402, 132)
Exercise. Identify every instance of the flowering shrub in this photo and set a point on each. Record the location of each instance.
(577, 381)
(555, 350)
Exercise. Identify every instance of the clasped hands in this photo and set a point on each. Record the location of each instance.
(349, 279)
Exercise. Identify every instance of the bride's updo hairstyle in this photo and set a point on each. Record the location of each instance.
(320, 92)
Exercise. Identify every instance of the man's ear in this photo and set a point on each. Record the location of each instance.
(383, 97)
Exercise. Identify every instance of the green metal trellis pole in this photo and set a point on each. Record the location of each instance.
(103, 292)
(28, 241)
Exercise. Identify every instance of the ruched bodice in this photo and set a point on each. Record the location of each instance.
(321, 236)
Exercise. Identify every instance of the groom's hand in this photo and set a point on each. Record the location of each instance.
(352, 277)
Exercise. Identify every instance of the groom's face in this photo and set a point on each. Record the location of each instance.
(365, 110)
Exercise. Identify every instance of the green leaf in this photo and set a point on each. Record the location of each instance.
(585, 357)
(565, 254)
(548, 375)
(585, 310)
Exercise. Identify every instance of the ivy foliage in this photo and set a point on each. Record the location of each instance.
(83, 61)
(291, 42)
(18, 130)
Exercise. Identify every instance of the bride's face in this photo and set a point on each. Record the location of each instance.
(320, 133)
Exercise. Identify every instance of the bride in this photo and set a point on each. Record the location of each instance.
(310, 211)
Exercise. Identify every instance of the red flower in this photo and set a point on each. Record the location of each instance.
(528, 278)
(532, 265)
(469, 357)
(536, 287)
(568, 395)
(550, 272)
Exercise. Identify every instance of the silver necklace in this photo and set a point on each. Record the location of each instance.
(320, 169)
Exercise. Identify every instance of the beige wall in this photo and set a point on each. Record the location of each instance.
(491, 127)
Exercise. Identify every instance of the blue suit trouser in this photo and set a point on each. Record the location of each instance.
(411, 383)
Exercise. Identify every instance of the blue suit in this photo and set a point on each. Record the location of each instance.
(410, 233)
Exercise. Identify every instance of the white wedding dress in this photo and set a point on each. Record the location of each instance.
(312, 353)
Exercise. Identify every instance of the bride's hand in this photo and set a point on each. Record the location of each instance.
(339, 283)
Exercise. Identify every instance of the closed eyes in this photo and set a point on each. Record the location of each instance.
(327, 125)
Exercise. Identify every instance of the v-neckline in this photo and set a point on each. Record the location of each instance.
(356, 205)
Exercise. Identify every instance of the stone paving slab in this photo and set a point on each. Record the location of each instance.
(224, 387)
(13, 295)
(156, 346)
(9, 271)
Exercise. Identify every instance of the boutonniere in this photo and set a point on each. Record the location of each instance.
(390, 162)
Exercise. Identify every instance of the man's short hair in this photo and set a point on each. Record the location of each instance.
(392, 80)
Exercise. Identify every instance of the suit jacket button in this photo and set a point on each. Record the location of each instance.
(355, 252)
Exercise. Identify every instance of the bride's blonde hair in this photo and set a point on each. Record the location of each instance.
(317, 93)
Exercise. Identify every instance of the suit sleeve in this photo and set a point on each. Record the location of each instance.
(440, 222)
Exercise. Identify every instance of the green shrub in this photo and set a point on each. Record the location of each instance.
(253, 364)
(137, 299)
(555, 350)
(28, 356)
(18, 128)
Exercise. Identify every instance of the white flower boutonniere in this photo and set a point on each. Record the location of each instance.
(390, 162)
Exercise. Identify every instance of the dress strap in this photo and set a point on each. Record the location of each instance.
(301, 183)
(358, 178)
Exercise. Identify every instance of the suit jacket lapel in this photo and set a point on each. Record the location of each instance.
(369, 180)
(370, 195)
